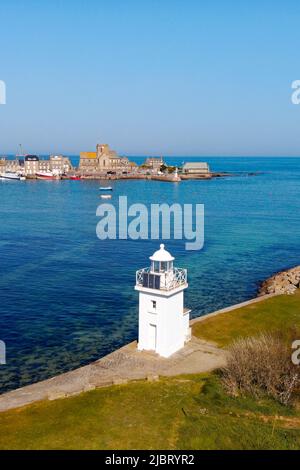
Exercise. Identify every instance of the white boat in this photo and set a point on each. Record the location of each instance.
(11, 175)
(106, 188)
(105, 196)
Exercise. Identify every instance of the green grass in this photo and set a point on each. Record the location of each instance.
(277, 313)
(187, 412)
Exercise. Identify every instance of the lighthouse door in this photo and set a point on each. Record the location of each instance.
(152, 337)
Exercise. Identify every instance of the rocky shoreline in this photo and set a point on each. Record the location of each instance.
(284, 282)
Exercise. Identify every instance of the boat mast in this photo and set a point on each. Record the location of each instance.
(20, 154)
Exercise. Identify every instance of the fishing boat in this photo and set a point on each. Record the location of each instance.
(106, 188)
(47, 175)
(75, 177)
(11, 175)
(105, 196)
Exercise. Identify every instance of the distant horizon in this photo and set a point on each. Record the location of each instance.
(147, 155)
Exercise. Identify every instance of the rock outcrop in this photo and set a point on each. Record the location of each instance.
(285, 282)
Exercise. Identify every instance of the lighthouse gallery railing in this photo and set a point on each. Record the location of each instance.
(162, 281)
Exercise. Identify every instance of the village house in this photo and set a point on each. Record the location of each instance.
(57, 163)
(154, 163)
(16, 165)
(31, 165)
(2, 164)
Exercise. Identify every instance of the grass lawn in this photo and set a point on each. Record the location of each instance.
(277, 313)
(188, 412)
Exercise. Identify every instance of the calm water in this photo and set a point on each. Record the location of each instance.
(67, 298)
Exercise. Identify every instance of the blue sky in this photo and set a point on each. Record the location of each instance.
(170, 77)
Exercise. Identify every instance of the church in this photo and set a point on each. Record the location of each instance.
(103, 160)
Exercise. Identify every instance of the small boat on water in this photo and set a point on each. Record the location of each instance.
(106, 188)
(11, 175)
(105, 196)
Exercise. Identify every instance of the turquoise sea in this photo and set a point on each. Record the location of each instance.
(68, 298)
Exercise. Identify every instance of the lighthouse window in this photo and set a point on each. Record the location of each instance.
(156, 266)
(153, 304)
(163, 266)
(151, 281)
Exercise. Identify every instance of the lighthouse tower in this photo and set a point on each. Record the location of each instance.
(163, 320)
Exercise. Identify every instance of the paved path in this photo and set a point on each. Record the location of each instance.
(118, 367)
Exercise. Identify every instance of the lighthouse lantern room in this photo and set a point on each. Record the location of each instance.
(163, 319)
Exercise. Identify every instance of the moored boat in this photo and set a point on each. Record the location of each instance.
(47, 175)
(11, 175)
(106, 188)
(105, 196)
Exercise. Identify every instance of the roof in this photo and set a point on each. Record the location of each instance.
(31, 158)
(195, 165)
(162, 255)
(88, 155)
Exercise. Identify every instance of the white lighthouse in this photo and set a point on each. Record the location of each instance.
(163, 319)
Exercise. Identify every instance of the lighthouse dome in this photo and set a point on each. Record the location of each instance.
(162, 255)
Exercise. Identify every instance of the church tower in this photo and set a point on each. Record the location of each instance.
(163, 319)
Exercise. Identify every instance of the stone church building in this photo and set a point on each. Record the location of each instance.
(103, 160)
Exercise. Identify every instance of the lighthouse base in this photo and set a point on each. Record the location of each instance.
(164, 354)
(167, 352)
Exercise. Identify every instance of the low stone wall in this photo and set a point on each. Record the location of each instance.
(284, 282)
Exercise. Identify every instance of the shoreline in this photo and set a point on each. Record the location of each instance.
(138, 176)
